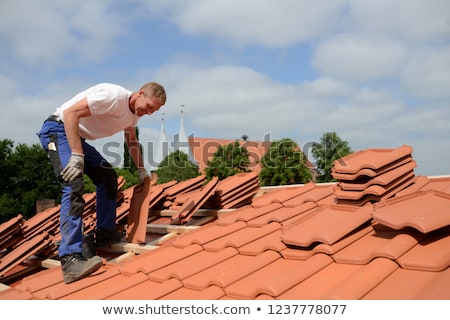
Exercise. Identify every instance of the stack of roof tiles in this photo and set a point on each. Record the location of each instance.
(373, 175)
(228, 196)
(175, 195)
(192, 201)
(232, 192)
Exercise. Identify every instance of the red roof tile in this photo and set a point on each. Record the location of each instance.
(138, 213)
(235, 268)
(383, 179)
(192, 265)
(374, 159)
(412, 285)
(326, 225)
(431, 254)
(425, 211)
(277, 277)
(378, 244)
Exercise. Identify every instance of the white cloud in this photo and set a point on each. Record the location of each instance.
(427, 73)
(45, 33)
(268, 23)
(328, 88)
(282, 23)
(414, 21)
(358, 58)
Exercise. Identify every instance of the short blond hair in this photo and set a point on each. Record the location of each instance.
(154, 89)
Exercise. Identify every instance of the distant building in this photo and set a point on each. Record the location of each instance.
(162, 148)
(181, 142)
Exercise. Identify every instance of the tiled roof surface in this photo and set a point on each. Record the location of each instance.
(292, 242)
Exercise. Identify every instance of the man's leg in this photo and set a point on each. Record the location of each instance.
(54, 142)
(105, 179)
(74, 265)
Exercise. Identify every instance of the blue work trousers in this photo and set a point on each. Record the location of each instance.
(54, 141)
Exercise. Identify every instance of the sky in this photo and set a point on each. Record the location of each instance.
(375, 72)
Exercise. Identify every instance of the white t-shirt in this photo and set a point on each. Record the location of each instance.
(110, 112)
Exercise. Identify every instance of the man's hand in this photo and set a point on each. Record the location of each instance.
(74, 167)
(142, 174)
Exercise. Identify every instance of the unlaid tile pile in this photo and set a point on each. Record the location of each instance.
(8, 230)
(193, 201)
(27, 238)
(372, 175)
(175, 196)
(234, 191)
(186, 197)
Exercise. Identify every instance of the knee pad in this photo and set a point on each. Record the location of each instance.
(76, 196)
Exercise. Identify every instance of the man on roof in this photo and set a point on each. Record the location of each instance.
(100, 111)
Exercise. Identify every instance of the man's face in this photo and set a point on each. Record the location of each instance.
(146, 105)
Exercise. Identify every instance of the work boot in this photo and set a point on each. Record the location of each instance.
(75, 266)
(104, 238)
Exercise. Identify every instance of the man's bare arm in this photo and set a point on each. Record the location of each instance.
(134, 147)
(72, 117)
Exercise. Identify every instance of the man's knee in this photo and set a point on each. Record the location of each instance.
(106, 175)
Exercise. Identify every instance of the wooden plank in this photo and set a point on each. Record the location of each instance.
(164, 228)
(201, 221)
(4, 287)
(162, 239)
(123, 257)
(130, 247)
(198, 213)
(50, 263)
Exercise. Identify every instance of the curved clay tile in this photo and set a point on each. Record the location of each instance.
(326, 225)
(374, 159)
(425, 211)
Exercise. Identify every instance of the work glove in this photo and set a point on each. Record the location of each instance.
(74, 167)
(142, 174)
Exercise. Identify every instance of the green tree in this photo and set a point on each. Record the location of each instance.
(283, 164)
(330, 148)
(227, 161)
(6, 149)
(176, 166)
(27, 176)
(131, 178)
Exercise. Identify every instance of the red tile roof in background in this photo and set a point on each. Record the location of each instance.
(380, 232)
